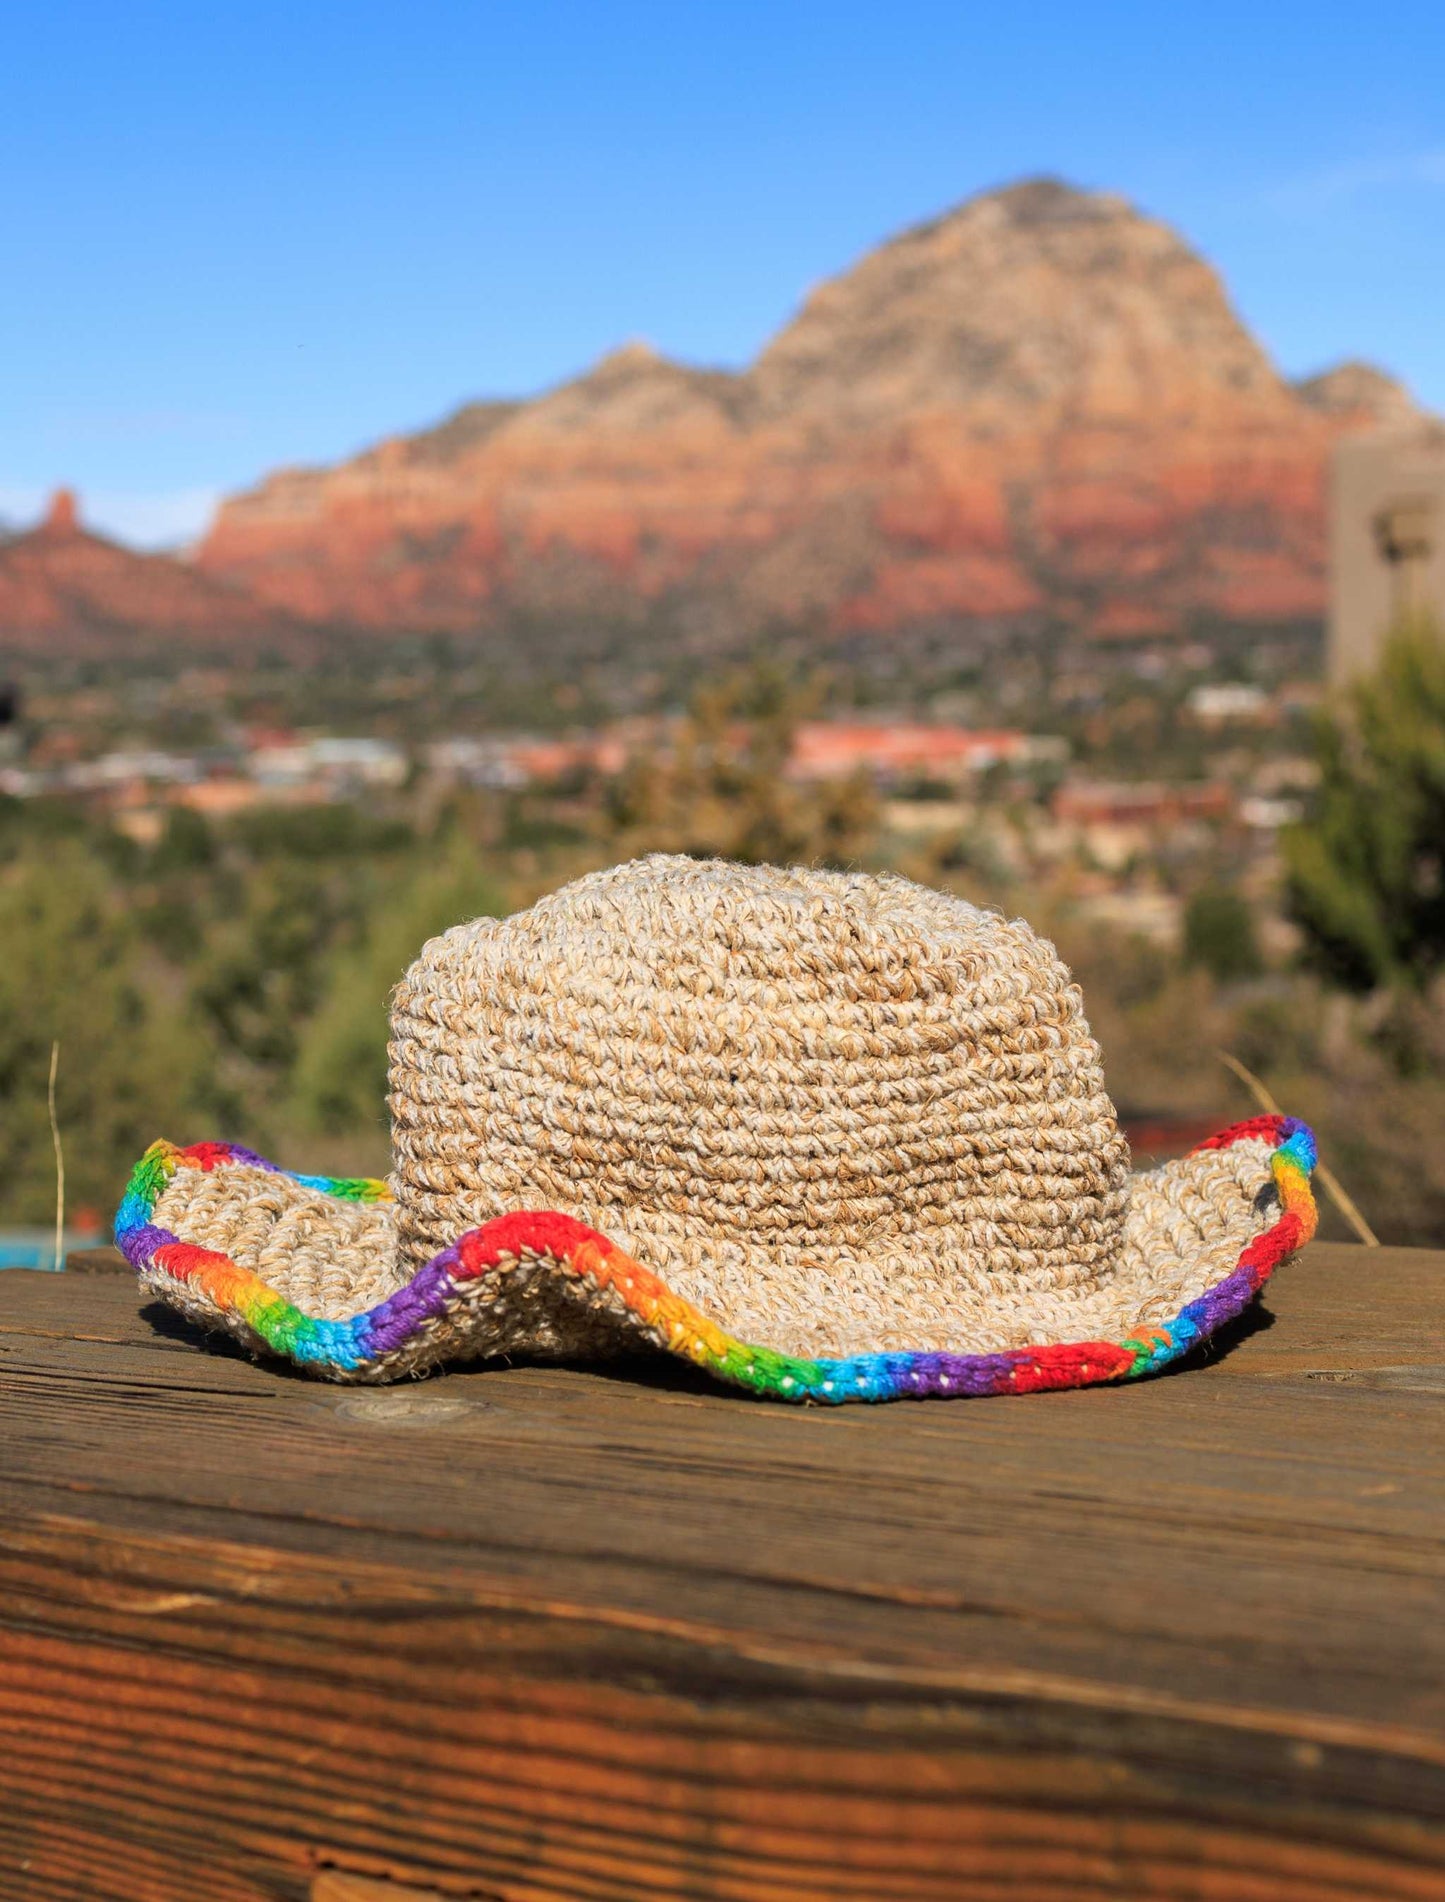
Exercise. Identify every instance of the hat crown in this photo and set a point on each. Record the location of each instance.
(714, 1062)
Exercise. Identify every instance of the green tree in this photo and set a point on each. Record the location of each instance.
(261, 976)
(340, 1071)
(1219, 934)
(1366, 872)
(74, 970)
(724, 791)
(185, 845)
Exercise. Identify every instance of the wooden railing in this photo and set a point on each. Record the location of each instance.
(553, 1635)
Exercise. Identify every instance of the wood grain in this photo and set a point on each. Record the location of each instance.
(331, 1887)
(96, 1261)
(538, 1635)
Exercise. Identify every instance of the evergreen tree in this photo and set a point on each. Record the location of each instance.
(1366, 872)
(1219, 934)
(340, 1073)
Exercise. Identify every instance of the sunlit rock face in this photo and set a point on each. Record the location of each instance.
(64, 590)
(1039, 404)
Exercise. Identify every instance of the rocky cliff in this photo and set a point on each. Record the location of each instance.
(1040, 405)
(63, 589)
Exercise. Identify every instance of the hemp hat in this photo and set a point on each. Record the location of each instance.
(829, 1136)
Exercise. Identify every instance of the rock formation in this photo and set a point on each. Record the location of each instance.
(1359, 394)
(1040, 405)
(1038, 409)
(63, 589)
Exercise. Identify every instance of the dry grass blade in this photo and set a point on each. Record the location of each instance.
(59, 1157)
(1329, 1181)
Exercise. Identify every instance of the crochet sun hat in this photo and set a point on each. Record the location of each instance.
(829, 1136)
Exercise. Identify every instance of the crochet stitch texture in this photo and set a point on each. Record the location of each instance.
(830, 1136)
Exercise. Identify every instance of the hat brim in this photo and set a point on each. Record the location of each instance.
(548, 1280)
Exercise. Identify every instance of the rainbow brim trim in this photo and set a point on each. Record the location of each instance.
(384, 1341)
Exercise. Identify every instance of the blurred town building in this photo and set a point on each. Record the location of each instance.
(832, 749)
(1387, 540)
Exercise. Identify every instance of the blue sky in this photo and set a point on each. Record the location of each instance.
(236, 237)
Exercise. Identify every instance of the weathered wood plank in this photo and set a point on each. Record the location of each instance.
(537, 1634)
(332, 1887)
(96, 1261)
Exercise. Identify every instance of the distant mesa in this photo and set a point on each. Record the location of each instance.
(66, 590)
(1038, 409)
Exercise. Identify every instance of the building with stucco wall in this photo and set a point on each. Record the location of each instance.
(1387, 540)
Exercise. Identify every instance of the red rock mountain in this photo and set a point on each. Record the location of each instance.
(1040, 404)
(1038, 408)
(63, 589)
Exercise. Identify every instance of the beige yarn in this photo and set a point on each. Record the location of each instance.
(838, 1113)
